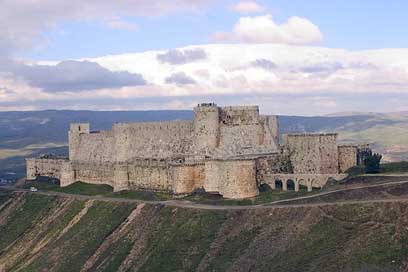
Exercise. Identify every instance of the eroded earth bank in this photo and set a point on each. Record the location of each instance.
(55, 233)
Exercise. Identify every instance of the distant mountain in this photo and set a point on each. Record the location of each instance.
(387, 133)
(26, 134)
(22, 128)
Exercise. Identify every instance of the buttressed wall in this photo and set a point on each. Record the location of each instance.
(228, 150)
(216, 151)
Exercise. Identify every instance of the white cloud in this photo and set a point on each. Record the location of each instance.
(263, 29)
(22, 22)
(314, 79)
(118, 23)
(248, 7)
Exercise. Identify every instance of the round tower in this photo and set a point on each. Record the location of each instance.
(206, 126)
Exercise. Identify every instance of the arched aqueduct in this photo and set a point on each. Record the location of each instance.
(308, 180)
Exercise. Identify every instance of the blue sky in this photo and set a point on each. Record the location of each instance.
(345, 24)
(292, 57)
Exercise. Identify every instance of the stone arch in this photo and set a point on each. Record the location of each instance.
(291, 184)
(278, 184)
(302, 184)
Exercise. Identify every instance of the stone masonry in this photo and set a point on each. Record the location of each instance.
(225, 150)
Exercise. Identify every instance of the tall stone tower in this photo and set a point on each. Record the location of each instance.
(75, 130)
(206, 126)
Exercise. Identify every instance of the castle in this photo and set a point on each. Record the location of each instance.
(226, 150)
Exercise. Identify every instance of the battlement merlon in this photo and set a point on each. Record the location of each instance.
(240, 108)
(79, 127)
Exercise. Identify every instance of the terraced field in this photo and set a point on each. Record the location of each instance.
(55, 233)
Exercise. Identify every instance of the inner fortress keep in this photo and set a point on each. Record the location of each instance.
(226, 150)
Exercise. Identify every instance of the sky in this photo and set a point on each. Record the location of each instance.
(293, 57)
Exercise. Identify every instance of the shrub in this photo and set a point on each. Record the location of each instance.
(199, 192)
(264, 188)
(372, 163)
(356, 170)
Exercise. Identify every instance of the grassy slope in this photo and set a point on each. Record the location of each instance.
(81, 188)
(78, 188)
(105, 236)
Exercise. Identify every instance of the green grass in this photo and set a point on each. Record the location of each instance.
(276, 195)
(78, 188)
(385, 168)
(83, 239)
(181, 238)
(142, 195)
(50, 231)
(363, 237)
(231, 249)
(347, 241)
(395, 167)
(4, 196)
(22, 219)
(263, 198)
(81, 188)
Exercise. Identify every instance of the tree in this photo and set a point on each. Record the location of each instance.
(372, 162)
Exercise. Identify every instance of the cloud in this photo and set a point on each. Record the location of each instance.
(176, 56)
(264, 64)
(248, 7)
(75, 76)
(5, 91)
(263, 29)
(323, 68)
(118, 23)
(315, 80)
(23, 22)
(179, 78)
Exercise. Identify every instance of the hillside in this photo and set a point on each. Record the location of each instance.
(27, 134)
(387, 133)
(39, 233)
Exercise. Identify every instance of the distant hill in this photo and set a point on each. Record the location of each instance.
(26, 134)
(23, 128)
(387, 133)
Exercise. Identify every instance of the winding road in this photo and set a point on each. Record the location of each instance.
(274, 204)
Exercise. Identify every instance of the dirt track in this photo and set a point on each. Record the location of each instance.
(275, 204)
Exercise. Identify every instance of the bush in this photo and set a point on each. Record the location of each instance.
(356, 170)
(264, 188)
(199, 192)
(372, 163)
(395, 167)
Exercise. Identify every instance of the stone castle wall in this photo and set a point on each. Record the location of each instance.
(90, 172)
(44, 167)
(215, 131)
(153, 175)
(96, 147)
(228, 150)
(347, 157)
(242, 128)
(312, 153)
(152, 140)
(238, 178)
(187, 178)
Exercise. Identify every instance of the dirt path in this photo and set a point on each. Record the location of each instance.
(275, 204)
